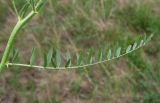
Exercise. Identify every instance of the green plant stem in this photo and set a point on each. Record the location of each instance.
(12, 38)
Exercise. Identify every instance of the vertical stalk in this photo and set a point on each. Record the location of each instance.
(10, 44)
(12, 38)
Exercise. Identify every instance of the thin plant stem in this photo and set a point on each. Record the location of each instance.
(12, 38)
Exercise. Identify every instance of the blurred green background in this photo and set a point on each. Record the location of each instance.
(78, 25)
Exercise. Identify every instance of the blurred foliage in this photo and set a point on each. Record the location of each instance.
(79, 24)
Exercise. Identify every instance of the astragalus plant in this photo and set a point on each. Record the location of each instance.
(30, 9)
(23, 18)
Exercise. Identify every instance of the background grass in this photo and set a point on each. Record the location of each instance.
(78, 25)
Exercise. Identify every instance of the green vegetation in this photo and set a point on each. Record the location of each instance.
(80, 63)
(76, 25)
(22, 20)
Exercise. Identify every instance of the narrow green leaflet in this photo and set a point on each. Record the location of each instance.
(49, 56)
(100, 55)
(15, 55)
(79, 58)
(68, 63)
(118, 52)
(58, 59)
(90, 54)
(109, 54)
(39, 5)
(33, 56)
(134, 46)
(141, 43)
(23, 10)
(129, 48)
(68, 58)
